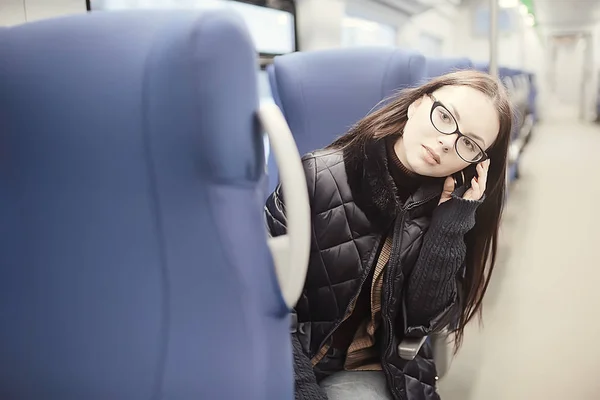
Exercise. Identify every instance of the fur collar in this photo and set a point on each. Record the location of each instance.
(373, 188)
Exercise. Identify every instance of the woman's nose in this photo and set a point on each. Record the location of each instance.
(447, 142)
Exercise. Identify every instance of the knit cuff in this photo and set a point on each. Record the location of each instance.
(455, 216)
(437, 323)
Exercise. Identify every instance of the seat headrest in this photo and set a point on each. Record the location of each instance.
(153, 47)
(442, 66)
(323, 93)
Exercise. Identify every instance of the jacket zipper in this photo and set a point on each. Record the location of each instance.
(385, 312)
(362, 282)
(390, 287)
(350, 305)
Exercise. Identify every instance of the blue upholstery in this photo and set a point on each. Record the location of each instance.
(323, 93)
(133, 259)
(273, 84)
(481, 66)
(532, 96)
(519, 110)
(505, 71)
(272, 170)
(441, 66)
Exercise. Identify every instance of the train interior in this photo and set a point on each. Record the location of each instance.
(139, 140)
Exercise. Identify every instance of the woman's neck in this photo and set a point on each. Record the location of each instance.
(407, 181)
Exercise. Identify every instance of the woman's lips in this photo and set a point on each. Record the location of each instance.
(431, 156)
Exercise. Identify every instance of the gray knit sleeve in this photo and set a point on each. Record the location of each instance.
(431, 291)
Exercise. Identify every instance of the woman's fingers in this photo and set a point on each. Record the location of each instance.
(448, 189)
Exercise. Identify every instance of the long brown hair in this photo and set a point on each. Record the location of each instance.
(482, 241)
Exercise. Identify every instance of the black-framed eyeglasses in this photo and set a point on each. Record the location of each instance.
(445, 123)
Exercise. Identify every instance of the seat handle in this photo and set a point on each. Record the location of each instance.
(290, 251)
(409, 347)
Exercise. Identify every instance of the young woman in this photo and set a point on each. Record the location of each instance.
(397, 250)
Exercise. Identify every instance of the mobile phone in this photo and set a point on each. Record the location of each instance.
(465, 176)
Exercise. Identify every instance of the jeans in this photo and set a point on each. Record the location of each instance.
(356, 385)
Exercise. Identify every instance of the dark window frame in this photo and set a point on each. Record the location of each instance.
(288, 5)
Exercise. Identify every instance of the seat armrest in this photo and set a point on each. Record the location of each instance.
(409, 347)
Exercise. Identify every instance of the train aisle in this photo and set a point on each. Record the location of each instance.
(541, 335)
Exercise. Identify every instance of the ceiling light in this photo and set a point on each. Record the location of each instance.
(508, 3)
(523, 9)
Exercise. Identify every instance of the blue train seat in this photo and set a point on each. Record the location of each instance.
(133, 255)
(532, 98)
(441, 66)
(323, 93)
(522, 89)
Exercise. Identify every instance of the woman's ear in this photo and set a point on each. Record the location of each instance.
(414, 106)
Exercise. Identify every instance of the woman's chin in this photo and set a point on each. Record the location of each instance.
(421, 168)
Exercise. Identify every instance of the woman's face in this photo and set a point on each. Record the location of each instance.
(430, 144)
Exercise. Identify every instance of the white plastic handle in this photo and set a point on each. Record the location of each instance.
(291, 251)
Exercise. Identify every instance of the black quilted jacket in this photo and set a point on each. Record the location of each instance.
(354, 205)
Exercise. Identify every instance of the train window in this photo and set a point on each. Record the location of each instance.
(363, 32)
(270, 22)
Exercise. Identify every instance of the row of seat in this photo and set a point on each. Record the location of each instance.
(131, 199)
(323, 93)
(523, 92)
(522, 89)
(597, 108)
(134, 261)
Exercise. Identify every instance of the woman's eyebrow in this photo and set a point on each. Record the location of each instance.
(457, 116)
(455, 112)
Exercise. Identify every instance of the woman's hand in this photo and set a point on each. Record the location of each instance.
(478, 184)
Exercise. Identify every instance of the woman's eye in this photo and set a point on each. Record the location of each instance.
(444, 117)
